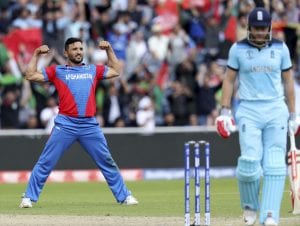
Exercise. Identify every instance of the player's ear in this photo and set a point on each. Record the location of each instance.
(65, 53)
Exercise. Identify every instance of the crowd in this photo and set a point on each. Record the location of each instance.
(173, 56)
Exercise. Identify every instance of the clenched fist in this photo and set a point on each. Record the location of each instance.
(104, 45)
(42, 50)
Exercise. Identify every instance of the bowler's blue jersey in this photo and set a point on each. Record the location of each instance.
(259, 70)
(76, 86)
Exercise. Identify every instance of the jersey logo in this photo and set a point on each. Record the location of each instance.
(249, 54)
(78, 76)
(272, 54)
(262, 68)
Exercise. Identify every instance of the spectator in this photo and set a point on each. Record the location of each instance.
(242, 26)
(54, 24)
(41, 93)
(32, 122)
(292, 19)
(78, 26)
(10, 109)
(118, 38)
(48, 114)
(186, 72)
(178, 47)
(100, 23)
(119, 123)
(145, 116)
(136, 50)
(205, 93)
(125, 19)
(10, 98)
(195, 26)
(135, 12)
(23, 20)
(169, 119)
(4, 20)
(113, 107)
(158, 43)
(27, 107)
(181, 105)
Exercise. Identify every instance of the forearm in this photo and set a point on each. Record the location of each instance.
(291, 100)
(227, 91)
(289, 91)
(113, 61)
(32, 66)
(227, 88)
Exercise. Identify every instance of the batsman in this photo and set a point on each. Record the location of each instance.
(264, 116)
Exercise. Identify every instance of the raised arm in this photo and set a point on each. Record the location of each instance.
(31, 72)
(113, 62)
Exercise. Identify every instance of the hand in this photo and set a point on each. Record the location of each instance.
(104, 45)
(293, 124)
(42, 50)
(225, 123)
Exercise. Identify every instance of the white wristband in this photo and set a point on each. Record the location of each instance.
(225, 111)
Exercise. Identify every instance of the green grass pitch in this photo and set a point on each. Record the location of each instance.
(96, 199)
(163, 198)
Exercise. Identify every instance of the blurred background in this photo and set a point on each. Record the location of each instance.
(173, 55)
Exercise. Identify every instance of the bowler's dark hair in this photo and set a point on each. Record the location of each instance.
(70, 41)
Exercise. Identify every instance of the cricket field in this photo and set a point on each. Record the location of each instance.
(160, 204)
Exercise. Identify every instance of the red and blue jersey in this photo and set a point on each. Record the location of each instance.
(76, 87)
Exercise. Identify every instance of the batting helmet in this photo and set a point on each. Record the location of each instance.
(259, 17)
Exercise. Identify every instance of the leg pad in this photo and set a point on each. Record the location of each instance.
(248, 174)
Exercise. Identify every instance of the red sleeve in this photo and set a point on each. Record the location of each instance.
(101, 71)
(50, 72)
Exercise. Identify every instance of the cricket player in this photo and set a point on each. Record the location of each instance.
(76, 85)
(267, 107)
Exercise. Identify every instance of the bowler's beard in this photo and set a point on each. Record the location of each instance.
(76, 60)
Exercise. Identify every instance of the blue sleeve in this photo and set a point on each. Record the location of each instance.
(233, 62)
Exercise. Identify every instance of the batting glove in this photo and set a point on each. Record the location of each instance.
(293, 124)
(225, 123)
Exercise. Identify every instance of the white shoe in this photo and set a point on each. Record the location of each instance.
(249, 217)
(270, 222)
(130, 200)
(25, 203)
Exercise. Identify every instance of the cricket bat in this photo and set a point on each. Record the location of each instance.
(294, 174)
